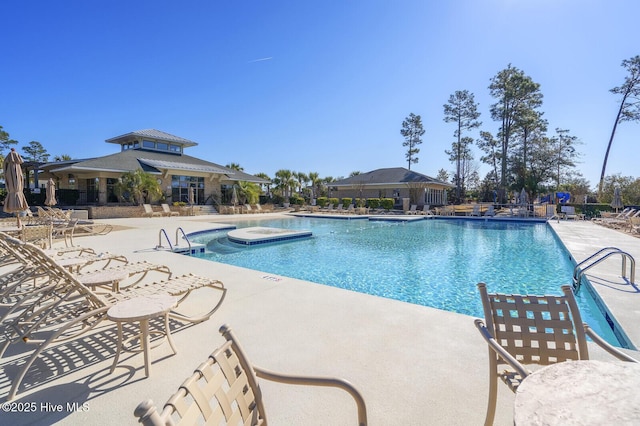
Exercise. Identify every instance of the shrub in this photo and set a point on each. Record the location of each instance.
(345, 201)
(179, 203)
(322, 201)
(295, 200)
(373, 203)
(333, 201)
(387, 203)
(360, 202)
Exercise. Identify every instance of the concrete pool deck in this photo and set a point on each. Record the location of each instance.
(414, 365)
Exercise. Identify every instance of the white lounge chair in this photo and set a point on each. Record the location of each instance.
(149, 212)
(412, 209)
(490, 211)
(166, 211)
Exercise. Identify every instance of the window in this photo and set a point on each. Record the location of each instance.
(149, 144)
(180, 187)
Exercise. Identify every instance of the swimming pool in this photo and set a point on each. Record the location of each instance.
(434, 263)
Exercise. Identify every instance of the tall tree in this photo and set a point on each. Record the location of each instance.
(412, 132)
(516, 94)
(462, 155)
(316, 182)
(566, 153)
(463, 112)
(490, 146)
(62, 157)
(5, 141)
(629, 105)
(35, 152)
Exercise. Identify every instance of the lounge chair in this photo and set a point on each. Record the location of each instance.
(350, 210)
(225, 390)
(338, 209)
(56, 307)
(261, 209)
(425, 210)
(490, 211)
(524, 329)
(166, 210)
(149, 212)
(476, 210)
(569, 212)
(412, 209)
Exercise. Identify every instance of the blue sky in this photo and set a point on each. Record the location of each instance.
(308, 85)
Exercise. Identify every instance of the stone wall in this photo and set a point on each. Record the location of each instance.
(112, 212)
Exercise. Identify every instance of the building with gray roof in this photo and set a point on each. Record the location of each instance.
(395, 182)
(158, 153)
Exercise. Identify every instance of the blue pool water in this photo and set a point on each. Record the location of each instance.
(434, 263)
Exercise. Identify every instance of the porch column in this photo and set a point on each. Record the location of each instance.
(102, 191)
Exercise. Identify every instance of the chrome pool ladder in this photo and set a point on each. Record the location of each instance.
(178, 231)
(599, 256)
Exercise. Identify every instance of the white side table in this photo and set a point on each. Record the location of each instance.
(142, 309)
(580, 392)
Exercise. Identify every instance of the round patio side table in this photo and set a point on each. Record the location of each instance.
(142, 309)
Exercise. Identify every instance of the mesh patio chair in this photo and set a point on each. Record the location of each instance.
(527, 329)
(53, 306)
(225, 390)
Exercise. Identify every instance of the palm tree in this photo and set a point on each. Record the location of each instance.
(248, 192)
(235, 166)
(62, 157)
(314, 178)
(284, 182)
(301, 180)
(139, 186)
(267, 186)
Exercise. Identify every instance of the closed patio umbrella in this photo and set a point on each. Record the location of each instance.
(234, 196)
(14, 180)
(51, 193)
(616, 203)
(191, 196)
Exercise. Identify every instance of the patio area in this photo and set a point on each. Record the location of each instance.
(414, 365)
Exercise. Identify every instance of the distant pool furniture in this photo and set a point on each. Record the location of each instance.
(338, 209)
(350, 210)
(490, 211)
(569, 212)
(141, 310)
(526, 329)
(261, 209)
(149, 212)
(412, 209)
(224, 389)
(166, 210)
(580, 392)
(425, 210)
(475, 211)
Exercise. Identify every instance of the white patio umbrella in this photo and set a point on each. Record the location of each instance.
(14, 180)
(616, 203)
(51, 193)
(524, 198)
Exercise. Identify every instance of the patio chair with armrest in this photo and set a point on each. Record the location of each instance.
(225, 390)
(525, 329)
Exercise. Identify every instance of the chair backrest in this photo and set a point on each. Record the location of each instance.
(147, 208)
(536, 329)
(568, 209)
(223, 390)
(165, 208)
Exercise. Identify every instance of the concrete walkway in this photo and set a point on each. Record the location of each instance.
(414, 365)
